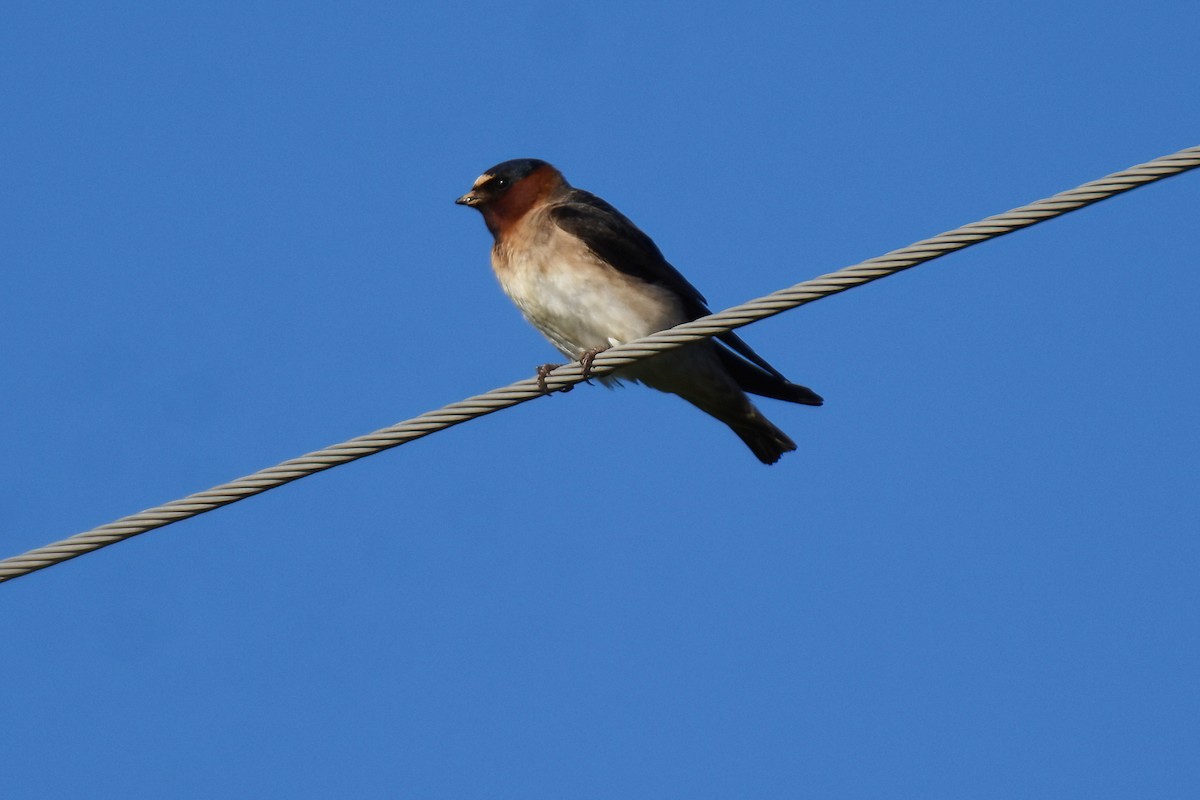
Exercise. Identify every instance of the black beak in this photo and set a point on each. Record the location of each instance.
(468, 199)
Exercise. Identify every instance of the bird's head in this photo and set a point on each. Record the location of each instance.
(507, 191)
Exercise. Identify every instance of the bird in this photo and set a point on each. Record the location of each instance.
(588, 278)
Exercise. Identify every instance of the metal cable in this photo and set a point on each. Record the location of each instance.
(570, 374)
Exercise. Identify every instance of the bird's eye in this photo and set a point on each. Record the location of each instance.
(500, 183)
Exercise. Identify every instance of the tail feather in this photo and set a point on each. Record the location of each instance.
(715, 381)
(766, 441)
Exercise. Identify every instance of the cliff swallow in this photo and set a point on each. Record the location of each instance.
(589, 279)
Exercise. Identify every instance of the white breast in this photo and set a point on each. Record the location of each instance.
(577, 300)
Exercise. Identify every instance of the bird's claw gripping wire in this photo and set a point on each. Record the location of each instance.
(585, 361)
(543, 371)
(587, 358)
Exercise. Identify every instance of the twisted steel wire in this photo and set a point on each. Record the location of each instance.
(570, 374)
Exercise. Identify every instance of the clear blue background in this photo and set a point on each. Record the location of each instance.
(227, 237)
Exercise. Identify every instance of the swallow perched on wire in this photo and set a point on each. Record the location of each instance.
(589, 279)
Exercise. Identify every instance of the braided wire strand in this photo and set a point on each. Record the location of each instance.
(570, 374)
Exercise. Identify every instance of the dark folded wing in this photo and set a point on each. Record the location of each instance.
(756, 381)
(609, 234)
(613, 237)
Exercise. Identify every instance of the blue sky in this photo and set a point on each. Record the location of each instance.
(227, 237)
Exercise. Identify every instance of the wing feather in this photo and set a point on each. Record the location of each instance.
(613, 237)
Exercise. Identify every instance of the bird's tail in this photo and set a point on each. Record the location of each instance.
(700, 374)
(766, 441)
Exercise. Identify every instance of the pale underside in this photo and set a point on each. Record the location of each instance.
(580, 303)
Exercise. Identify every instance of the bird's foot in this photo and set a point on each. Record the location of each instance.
(585, 361)
(587, 358)
(542, 372)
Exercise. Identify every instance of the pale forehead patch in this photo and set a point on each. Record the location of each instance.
(482, 179)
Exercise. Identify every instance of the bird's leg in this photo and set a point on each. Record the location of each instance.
(585, 361)
(543, 371)
(587, 358)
